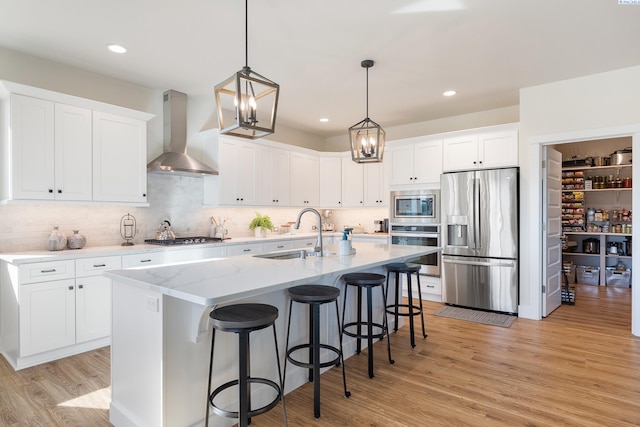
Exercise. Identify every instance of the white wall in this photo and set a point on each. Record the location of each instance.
(597, 106)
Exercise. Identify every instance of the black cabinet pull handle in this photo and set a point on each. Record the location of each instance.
(80, 286)
(51, 190)
(145, 260)
(70, 288)
(59, 191)
(53, 270)
(99, 265)
(144, 195)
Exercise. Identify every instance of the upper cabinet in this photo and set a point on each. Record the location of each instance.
(238, 174)
(273, 177)
(415, 162)
(482, 150)
(352, 183)
(376, 185)
(119, 158)
(331, 182)
(305, 180)
(72, 150)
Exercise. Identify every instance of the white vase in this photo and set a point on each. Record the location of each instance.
(76, 240)
(260, 232)
(57, 241)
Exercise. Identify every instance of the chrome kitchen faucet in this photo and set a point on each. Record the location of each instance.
(318, 248)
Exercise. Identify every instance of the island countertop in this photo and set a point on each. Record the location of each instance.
(220, 280)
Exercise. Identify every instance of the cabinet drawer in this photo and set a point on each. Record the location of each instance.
(46, 271)
(244, 249)
(95, 266)
(276, 246)
(306, 243)
(143, 260)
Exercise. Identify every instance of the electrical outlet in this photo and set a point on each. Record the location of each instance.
(153, 303)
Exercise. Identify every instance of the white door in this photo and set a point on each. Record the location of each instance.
(428, 162)
(352, 184)
(93, 308)
(551, 247)
(331, 182)
(73, 167)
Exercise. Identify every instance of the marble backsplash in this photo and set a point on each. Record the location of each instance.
(26, 225)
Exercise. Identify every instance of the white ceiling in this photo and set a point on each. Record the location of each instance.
(486, 50)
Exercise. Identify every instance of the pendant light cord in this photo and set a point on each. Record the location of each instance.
(367, 116)
(246, 33)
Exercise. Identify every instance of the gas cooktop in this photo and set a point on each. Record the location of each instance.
(184, 241)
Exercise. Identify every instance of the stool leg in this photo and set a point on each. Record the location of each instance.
(359, 325)
(410, 295)
(397, 300)
(280, 376)
(341, 361)
(286, 347)
(312, 343)
(243, 383)
(424, 332)
(370, 331)
(213, 340)
(316, 360)
(385, 329)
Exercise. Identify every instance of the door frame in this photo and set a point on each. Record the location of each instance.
(536, 145)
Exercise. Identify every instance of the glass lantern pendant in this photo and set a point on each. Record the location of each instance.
(367, 137)
(247, 102)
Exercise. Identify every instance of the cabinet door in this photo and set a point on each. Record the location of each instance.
(460, 153)
(498, 149)
(47, 316)
(305, 180)
(226, 170)
(331, 182)
(238, 174)
(73, 163)
(119, 158)
(93, 308)
(32, 148)
(272, 182)
(428, 162)
(352, 183)
(376, 190)
(401, 172)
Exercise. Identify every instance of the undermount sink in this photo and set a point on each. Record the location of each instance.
(291, 254)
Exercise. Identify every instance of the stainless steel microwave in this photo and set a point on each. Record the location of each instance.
(415, 207)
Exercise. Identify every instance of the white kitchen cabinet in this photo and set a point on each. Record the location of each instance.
(238, 174)
(306, 242)
(144, 259)
(415, 162)
(245, 249)
(305, 180)
(47, 316)
(50, 151)
(277, 246)
(376, 186)
(482, 150)
(273, 187)
(352, 183)
(119, 158)
(331, 182)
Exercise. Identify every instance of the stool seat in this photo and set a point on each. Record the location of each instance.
(364, 279)
(243, 317)
(401, 267)
(308, 294)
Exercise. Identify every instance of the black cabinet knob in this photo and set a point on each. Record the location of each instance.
(51, 190)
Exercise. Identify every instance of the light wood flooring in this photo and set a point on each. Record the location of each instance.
(578, 367)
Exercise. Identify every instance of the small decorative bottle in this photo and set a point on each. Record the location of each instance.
(57, 240)
(76, 241)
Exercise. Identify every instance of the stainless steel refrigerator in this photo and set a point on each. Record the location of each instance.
(480, 238)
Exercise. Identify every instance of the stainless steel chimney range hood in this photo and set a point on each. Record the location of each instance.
(175, 159)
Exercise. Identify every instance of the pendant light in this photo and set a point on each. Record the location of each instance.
(366, 136)
(247, 102)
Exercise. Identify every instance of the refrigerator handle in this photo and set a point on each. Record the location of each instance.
(477, 238)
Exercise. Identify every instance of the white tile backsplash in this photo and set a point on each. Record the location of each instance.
(25, 226)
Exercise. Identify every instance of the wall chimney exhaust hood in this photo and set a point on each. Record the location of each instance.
(175, 159)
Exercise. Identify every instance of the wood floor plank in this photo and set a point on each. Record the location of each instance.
(578, 367)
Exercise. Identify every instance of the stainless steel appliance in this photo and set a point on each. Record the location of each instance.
(419, 235)
(480, 238)
(378, 226)
(415, 207)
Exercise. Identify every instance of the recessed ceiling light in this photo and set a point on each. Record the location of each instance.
(449, 93)
(324, 120)
(116, 48)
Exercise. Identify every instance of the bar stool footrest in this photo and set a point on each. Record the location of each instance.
(308, 365)
(391, 309)
(252, 413)
(379, 335)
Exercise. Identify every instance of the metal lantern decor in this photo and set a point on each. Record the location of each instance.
(247, 102)
(367, 137)
(128, 229)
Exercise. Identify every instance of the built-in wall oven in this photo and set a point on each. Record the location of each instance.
(415, 220)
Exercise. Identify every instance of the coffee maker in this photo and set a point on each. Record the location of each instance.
(378, 226)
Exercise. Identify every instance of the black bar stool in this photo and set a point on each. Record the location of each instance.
(367, 281)
(315, 295)
(413, 310)
(243, 319)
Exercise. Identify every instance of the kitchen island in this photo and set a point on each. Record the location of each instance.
(160, 328)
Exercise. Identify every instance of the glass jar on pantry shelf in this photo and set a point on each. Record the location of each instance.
(626, 183)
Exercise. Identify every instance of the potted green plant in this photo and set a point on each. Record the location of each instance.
(260, 224)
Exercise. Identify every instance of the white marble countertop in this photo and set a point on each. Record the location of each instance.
(215, 281)
(96, 251)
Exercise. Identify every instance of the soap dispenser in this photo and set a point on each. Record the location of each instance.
(344, 247)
